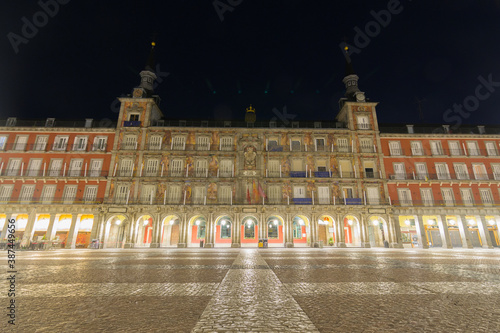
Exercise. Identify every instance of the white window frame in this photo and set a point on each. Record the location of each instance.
(174, 194)
(60, 143)
(151, 167)
(203, 142)
(100, 143)
(226, 143)
(491, 148)
(395, 148)
(480, 176)
(179, 142)
(48, 193)
(224, 193)
(6, 192)
(486, 196)
(80, 143)
(404, 195)
(461, 174)
(416, 148)
(177, 167)
(3, 141)
(427, 198)
(69, 194)
(21, 146)
(90, 193)
(155, 142)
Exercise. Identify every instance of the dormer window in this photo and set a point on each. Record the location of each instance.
(133, 117)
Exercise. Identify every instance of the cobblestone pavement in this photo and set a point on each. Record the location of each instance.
(255, 290)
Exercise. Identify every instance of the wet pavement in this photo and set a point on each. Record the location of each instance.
(256, 290)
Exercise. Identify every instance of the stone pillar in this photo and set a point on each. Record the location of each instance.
(313, 225)
(363, 226)
(395, 239)
(209, 240)
(289, 232)
(73, 232)
(340, 237)
(156, 234)
(422, 237)
(235, 232)
(51, 230)
(5, 225)
(464, 232)
(28, 231)
(183, 232)
(443, 230)
(130, 232)
(95, 227)
(482, 225)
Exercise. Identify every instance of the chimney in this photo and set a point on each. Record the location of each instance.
(481, 130)
(410, 129)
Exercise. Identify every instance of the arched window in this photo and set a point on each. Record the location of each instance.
(225, 229)
(249, 229)
(297, 230)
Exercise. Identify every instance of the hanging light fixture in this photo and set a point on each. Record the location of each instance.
(491, 222)
(452, 222)
(431, 222)
(171, 222)
(349, 221)
(197, 222)
(376, 222)
(407, 222)
(146, 222)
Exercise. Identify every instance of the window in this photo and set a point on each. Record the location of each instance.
(455, 149)
(178, 143)
(122, 194)
(21, 141)
(274, 194)
(297, 230)
(272, 229)
(461, 170)
(75, 168)
(152, 168)
(225, 230)
(201, 168)
(60, 143)
(479, 171)
(226, 168)
(369, 169)
(343, 145)
(48, 193)
(174, 194)
(467, 198)
(399, 170)
(345, 169)
(486, 196)
(272, 145)
(203, 143)
(130, 142)
(395, 148)
(366, 145)
(26, 193)
(436, 148)
(321, 165)
(496, 171)
(373, 195)
(3, 142)
(226, 143)
(95, 168)
(176, 169)
(6, 192)
(297, 164)
(491, 149)
(202, 226)
(34, 167)
(363, 122)
(69, 194)
(224, 194)
(348, 192)
(126, 168)
(324, 195)
(80, 143)
(426, 194)
(90, 194)
(41, 143)
(273, 168)
(249, 229)
(148, 194)
(199, 195)
(155, 142)
(319, 144)
(442, 171)
(299, 192)
(473, 148)
(448, 197)
(404, 195)
(421, 169)
(14, 167)
(416, 148)
(100, 143)
(55, 167)
(296, 144)
(133, 117)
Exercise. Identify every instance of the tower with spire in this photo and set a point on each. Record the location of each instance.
(351, 81)
(148, 77)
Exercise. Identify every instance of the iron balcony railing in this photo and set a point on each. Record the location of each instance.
(51, 201)
(445, 203)
(53, 173)
(443, 176)
(54, 147)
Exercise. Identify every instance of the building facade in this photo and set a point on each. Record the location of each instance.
(152, 182)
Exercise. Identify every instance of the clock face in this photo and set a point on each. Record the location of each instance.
(360, 97)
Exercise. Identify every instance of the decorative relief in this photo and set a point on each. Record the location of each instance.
(250, 155)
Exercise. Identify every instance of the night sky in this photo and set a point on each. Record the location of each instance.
(91, 52)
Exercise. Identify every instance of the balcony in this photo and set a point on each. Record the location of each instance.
(131, 124)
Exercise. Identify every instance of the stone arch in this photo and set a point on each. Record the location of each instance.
(352, 229)
(143, 229)
(197, 227)
(326, 229)
(114, 230)
(224, 229)
(274, 224)
(170, 229)
(249, 231)
(378, 230)
(301, 230)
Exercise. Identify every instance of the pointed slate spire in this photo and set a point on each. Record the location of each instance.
(148, 75)
(351, 79)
